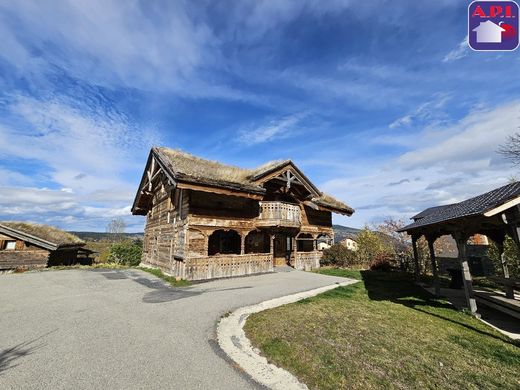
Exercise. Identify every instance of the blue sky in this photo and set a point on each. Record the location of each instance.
(380, 103)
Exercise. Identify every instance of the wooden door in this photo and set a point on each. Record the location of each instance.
(280, 250)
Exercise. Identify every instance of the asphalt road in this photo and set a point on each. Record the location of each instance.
(125, 329)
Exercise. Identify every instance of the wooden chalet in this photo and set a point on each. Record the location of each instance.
(208, 220)
(28, 245)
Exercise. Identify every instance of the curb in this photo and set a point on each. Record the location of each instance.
(233, 341)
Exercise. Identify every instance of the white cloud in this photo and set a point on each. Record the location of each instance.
(459, 52)
(431, 111)
(83, 149)
(459, 163)
(475, 138)
(275, 129)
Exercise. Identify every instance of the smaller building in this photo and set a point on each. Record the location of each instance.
(28, 245)
(350, 243)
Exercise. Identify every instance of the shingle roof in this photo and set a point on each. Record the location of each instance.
(186, 167)
(429, 211)
(470, 207)
(43, 235)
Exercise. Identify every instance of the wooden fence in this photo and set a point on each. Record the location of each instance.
(223, 266)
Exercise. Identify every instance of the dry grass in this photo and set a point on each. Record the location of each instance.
(45, 232)
(384, 332)
(196, 167)
(330, 201)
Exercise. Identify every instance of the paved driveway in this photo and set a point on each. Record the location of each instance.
(125, 329)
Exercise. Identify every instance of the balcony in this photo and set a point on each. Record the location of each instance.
(279, 214)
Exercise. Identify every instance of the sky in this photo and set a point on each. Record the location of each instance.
(380, 103)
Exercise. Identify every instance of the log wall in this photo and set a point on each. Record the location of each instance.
(165, 232)
(24, 255)
(33, 258)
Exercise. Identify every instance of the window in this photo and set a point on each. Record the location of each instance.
(10, 245)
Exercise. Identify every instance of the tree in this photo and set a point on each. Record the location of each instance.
(512, 253)
(511, 149)
(370, 245)
(338, 255)
(116, 229)
(126, 252)
(400, 241)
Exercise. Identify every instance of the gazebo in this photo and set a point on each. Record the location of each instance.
(494, 214)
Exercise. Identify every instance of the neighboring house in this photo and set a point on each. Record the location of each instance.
(27, 245)
(489, 32)
(208, 220)
(350, 243)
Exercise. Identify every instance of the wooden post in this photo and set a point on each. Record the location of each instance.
(416, 258)
(243, 243)
(466, 274)
(508, 289)
(436, 285)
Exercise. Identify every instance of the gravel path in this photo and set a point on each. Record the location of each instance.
(125, 329)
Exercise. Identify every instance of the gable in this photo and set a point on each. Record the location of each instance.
(289, 175)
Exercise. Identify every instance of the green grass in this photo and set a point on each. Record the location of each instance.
(384, 332)
(169, 279)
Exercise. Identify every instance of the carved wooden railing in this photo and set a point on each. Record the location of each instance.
(279, 214)
(223, 266)
(306, 260)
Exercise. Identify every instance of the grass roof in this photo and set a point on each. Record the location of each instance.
(45, 232)
(185, 166)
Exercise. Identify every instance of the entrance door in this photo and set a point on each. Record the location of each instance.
(281, 250)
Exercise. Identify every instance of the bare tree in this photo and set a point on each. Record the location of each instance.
(511, 149)
(116, 229)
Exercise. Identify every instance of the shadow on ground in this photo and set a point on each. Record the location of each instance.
(11, 357)
(400, 288)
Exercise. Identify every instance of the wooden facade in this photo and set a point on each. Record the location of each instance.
(22, 248)
(205, 220)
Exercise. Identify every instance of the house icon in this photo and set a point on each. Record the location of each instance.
(489, 32)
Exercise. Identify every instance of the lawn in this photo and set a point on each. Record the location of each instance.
(384, 332)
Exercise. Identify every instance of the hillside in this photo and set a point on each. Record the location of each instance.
(102, 236)
(341, 232)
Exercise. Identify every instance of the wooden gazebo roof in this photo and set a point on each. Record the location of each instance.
(480, 214)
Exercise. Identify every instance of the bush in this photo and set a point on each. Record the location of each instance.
(381, 262)
(338, 255)
(126, 252)
(512, 256)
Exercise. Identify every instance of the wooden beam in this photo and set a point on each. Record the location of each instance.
(436, 284)
(508, 289)
(416, 258)
(461, 240)
(215, 190)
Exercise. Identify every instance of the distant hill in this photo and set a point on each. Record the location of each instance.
(341, 232)
(101, 236)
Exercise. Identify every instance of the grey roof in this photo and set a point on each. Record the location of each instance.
(470, 207)
(429, 211)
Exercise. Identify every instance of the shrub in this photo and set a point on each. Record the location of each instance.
(126, 252)
(339, 256)
(512, 256)
(381, 262)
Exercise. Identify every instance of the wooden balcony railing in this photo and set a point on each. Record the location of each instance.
(279, 214)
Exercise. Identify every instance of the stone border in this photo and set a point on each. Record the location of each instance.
(233, 341)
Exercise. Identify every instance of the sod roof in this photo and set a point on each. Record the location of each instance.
(47, 236)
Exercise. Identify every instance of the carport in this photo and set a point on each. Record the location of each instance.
(494, 214)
